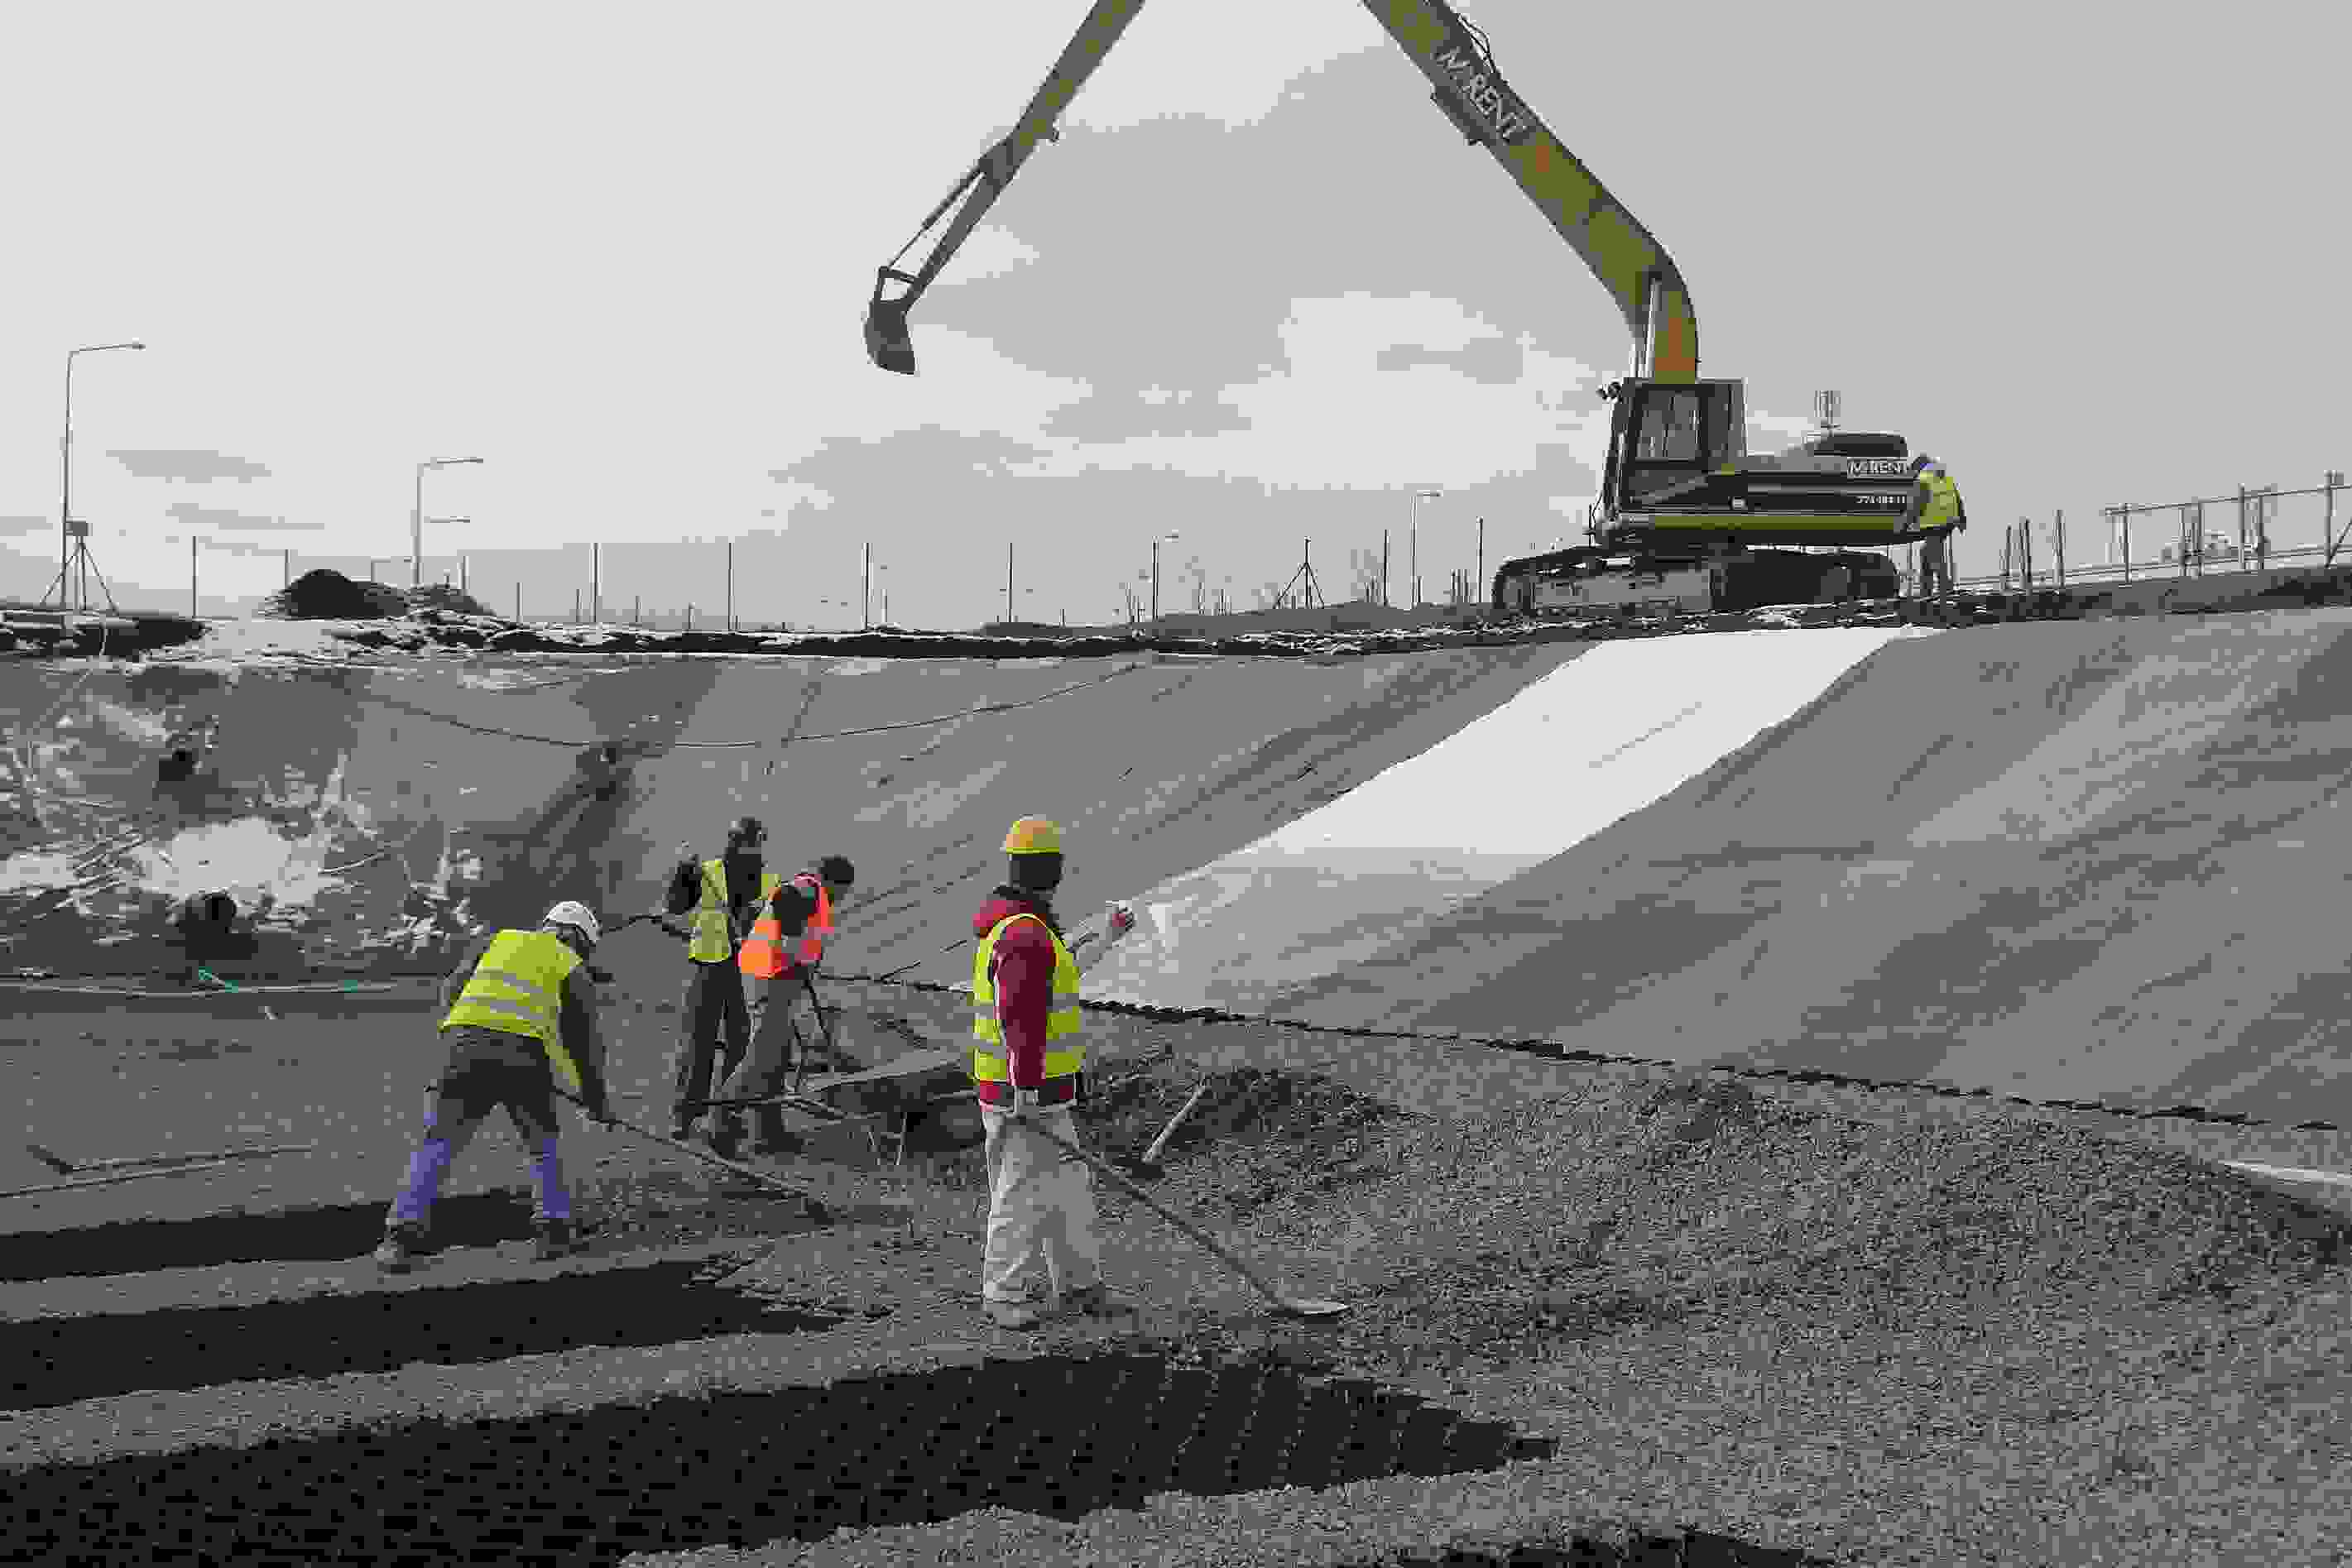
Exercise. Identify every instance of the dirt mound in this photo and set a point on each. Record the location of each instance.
(325, 594)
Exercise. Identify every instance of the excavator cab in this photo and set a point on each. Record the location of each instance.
(888, 343)
(1666, 437)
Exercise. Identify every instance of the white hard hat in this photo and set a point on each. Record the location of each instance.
(577, 915)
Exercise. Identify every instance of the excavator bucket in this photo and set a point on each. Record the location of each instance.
(888, 343)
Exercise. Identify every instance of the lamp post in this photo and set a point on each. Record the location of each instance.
(416, 517)
(65, 497)
(1155, 573)
(1420, 494)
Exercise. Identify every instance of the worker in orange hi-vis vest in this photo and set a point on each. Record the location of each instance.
(778, 962)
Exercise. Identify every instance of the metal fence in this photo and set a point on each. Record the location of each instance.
(2259, 528)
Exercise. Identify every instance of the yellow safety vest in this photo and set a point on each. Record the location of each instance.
(714, 938)
(1934, 501)
(517, 988)
(1062, 1024)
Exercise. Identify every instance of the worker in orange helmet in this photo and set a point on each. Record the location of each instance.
(779, 963)
(1027, 1061)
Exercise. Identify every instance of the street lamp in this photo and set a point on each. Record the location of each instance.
(1425, 493)
(1155, 574)
(65, 500)
(416, 517)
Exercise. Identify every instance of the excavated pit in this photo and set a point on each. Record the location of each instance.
(53, 1361)
(1059, 1437)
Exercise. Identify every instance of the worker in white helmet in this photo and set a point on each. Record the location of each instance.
(520, 1014)
(1027, 1065)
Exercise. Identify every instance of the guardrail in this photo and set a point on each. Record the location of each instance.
(2188, 547)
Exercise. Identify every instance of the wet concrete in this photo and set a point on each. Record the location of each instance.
(1061, 1438)
(47, 1362)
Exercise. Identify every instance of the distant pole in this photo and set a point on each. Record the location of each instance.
(518, 599)
(637, 610)
(865, 582)
(1008, 580)
(689, 617)
(2059, 529)
(1384, 569)
(464, 583)
(595, 581)
(731, 585)
(575, 607)
(288, 575)
(192, 579)
(1482, 556)
(2126, 510)
(2335, 481)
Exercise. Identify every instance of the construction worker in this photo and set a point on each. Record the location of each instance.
(778, 962)
(1027, 1065)
(1937, 512)
(519, 1015)
(725, 896)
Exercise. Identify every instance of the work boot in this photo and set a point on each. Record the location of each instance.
(555, 1239)
(403, 1245)
(1011, 1315)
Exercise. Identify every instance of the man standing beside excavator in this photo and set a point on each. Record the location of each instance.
(1940, 514)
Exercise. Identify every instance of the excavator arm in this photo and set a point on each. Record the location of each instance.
(887, 342)
(1453, 54)
(1623, 255)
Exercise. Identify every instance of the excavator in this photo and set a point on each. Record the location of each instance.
(1686, 518)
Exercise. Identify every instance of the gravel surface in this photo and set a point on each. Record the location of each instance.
(1993, 1340)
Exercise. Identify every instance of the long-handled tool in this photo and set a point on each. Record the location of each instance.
(140, 1175)
(800, 1050)
(1289, 1306)
(64, 1166)
(816, 1211)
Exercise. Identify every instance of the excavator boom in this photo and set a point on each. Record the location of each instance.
(1452, 53)
(887, 342)
(1624, 256)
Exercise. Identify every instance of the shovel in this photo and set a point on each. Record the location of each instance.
(1285, 1306)
(816, 1211)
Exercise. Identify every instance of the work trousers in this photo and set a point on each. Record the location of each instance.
(778, 1045)
(486, 1069)
(714, 1034)
(1936, 565)
(1041, 1210)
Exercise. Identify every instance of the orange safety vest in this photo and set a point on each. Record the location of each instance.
(762, 956)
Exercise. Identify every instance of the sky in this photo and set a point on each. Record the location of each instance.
(1257, 295)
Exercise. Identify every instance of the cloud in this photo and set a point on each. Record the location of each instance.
(193, 467)
(1149, 410)
(17, 526)
(221, 517)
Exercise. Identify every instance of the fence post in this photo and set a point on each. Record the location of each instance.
(2126, 511)
(2241, 528)
(2335, 479)
(2060, 526)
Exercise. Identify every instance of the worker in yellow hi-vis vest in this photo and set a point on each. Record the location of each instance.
(1026, 1066)
(518, 1016)
(726, 895)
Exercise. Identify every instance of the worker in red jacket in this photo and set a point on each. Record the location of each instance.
(1026, 1062)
